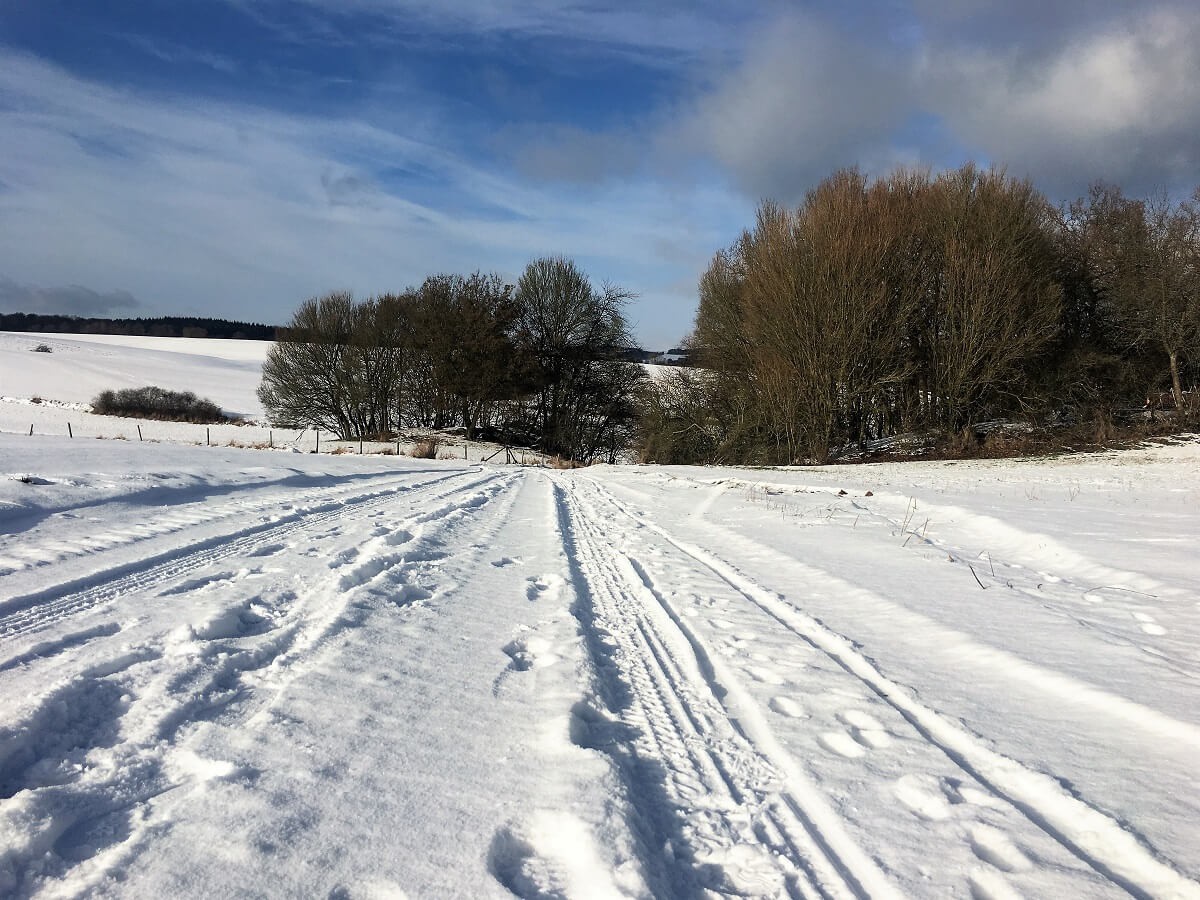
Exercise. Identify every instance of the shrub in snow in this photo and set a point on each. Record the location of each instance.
(43, 348)
(426, 449)
(157, 403)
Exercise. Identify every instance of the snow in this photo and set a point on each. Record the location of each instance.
(81, 366)
(232, 672)
(51, 393)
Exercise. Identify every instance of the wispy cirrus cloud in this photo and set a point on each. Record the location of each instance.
(222, 208)
(175, 53)
(678, 28)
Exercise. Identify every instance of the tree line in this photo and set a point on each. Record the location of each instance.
(931, 304)
(149, 326)
(536, 363)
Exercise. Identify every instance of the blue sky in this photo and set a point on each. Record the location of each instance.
(234, 157)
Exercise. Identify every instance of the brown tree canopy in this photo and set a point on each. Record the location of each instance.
(1143, 257)
(908, 302)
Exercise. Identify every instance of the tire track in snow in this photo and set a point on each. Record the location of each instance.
(743, 809)
(323, 612)
(1075, 584)
(40, 609)
(174, 516)
(76, 772)
(1091, 835)
(999, 663)
(1069, 584)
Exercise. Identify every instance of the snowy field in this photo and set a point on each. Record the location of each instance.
(51, 393)
(239, 673)
(81, 366)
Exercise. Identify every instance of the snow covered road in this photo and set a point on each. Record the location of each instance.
(229, 673)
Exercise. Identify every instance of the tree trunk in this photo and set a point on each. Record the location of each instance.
(1176, 384)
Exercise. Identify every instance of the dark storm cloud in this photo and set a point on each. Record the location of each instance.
(71, 300)
(1115, 98)
(808, 98)
(1028, 24)
(1064, 93)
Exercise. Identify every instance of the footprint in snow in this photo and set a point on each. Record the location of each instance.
(994, 847)
(268, 550)
(957, 792)
(842, 744)
(865, 729)
(866, 733)
(786, 706)
(544, 587)
(764, 675)
(526, 651)
(987, 884)
(1149, 626)
(920, 793)
(345, 556)
(397, 537)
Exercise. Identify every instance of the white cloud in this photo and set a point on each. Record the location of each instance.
(228, 210)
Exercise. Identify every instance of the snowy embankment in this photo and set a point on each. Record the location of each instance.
(236, 673)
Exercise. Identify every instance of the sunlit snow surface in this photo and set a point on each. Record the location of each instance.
(233, 672)
(78, 367)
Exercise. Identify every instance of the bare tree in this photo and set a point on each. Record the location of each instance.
(681, 418)
(1145, 256)
(903, 302)
(998, 301)
(467, 328)
(572, 335)
(308, 376)
(799, 311)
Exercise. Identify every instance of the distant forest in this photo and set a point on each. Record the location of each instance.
(157, 326)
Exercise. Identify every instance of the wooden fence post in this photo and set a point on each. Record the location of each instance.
(139, 428)
(70, 433)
